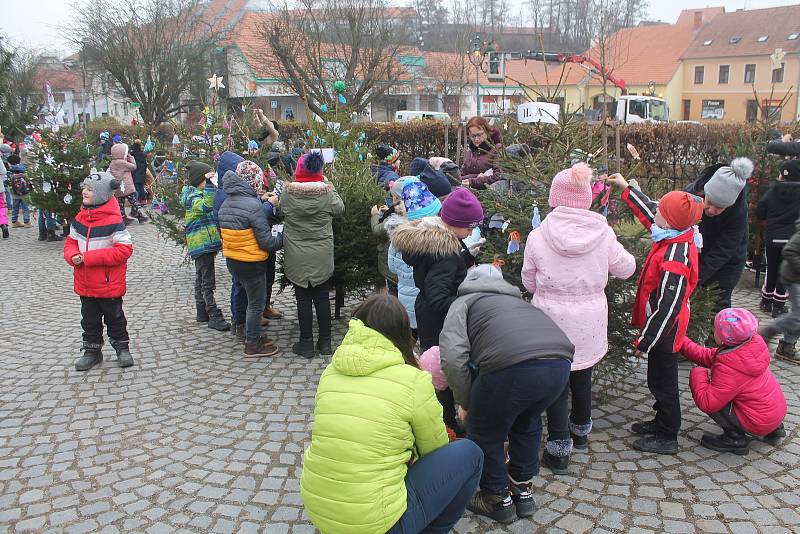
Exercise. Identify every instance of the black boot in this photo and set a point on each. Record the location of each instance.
(556, 464)
(786, 351)
(497, 507)
(522, 495)
(42, 236)
(778, 309)
(124, 358)
(217, 322)
(774, 437)
(657, 444)
(324, 346)
(4, 228)
(644, 428)
(765, 305)
(580, 435)
(733, 441)
(92, 355)
(51, 236)
(305, 348)
(202, 314)
(141, 217)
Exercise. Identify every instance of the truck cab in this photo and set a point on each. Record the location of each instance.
(631, 109)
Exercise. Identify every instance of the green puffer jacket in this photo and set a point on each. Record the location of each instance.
(202, 234)
(308, 210)
(372, 411)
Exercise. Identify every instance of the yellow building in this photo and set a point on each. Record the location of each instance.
(741, 65)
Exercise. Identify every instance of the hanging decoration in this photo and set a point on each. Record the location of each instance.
(67, 199)
(47, 187)
(339, 86)
(536, 218)
(149, 145)
(513, 242)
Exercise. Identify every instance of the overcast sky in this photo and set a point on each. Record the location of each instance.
(36, 23)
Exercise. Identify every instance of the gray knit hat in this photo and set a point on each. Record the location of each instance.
(724, 187)
(103, 184)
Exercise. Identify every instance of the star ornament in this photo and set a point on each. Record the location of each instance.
(215, 82)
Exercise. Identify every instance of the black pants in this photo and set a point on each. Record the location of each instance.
(309, 299)
(205, 282)
(773, 287)
(726, 418)
(94, 311)
(448, 402)
(580, 384)
(662, 380)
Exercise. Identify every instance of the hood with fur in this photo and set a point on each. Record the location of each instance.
(308, 189)
(119, 151)
(428, 235)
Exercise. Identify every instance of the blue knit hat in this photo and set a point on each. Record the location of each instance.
(418, 200)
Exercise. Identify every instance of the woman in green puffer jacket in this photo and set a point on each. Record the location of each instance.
(375, 413)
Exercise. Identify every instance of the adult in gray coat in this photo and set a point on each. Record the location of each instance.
(522, 361)
(247, 242)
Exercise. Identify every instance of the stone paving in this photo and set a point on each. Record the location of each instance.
(194, 438)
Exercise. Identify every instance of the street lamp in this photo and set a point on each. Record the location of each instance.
(478, 51)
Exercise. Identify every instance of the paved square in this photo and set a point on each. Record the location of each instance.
(194, 438)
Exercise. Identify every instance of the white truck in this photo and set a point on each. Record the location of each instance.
(631, 109)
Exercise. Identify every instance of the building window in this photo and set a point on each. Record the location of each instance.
(687, 108)
(793, 36)
(699, 72)
(750, 73)
(724, 72)
(708, 43)
(777, 75)
(713, 109)
(734, 40)
(752, 111)
(763, 39)
(772, 110)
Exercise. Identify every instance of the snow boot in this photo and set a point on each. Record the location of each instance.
(4, 228)
(124, 358)
(787, 351)
(305, 348)
(774, 437)
(556, 455)
(92, 355)
(766, 305)
(734, 441)
(778, 309)
(522, 495)
(497, 507)
(216, 321)
(324, 346)
(580, 435)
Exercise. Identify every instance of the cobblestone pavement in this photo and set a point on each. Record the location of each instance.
(195, 438)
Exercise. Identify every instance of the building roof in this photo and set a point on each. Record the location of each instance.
(59, 80)
(644, 54)
(755, 32)
(697, 17)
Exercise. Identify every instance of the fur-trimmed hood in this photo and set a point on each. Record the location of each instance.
(393, 222)
(428, 235)
(308, 189)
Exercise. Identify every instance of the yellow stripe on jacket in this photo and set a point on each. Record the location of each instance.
(241, 245)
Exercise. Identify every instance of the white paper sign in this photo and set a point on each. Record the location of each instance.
(538, 112)
(328, 154)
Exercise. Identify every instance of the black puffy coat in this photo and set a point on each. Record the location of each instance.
(140, 174)
(440, 263)
(780, 208)
(724, 237)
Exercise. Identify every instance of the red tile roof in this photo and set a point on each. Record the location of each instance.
(59, 80)
(777, 23)
(687, 16)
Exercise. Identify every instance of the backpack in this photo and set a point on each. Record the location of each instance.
(19, 185)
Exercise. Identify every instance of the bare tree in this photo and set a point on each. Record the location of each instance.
(156, 51)
(355, 41)
(18, 104)
(449, 73)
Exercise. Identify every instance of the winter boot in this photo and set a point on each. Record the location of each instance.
(237, 331)
(305, 348)
(42, 236)
(216, 321)
(657, 444)
(644, 428)
(124, 358)
(786, 351)
(774, 437)
(92, 355)
(766, 305)
(734, 441)
(51, 236)
(778, 309)
(260, 347)
(4, 228)
(556, 455)
(580, 435)
(271, 313)
(202, 314)
(497, 507)
(324, 346)
(522, 495)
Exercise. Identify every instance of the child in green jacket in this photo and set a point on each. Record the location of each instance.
(203, 241)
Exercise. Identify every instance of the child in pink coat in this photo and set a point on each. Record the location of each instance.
(734, 385)
(121, 168)
(567, 263)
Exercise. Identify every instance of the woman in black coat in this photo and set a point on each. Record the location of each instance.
(140, 174)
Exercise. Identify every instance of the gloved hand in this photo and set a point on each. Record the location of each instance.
(475, 248)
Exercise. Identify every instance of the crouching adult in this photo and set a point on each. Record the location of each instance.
(522, 362)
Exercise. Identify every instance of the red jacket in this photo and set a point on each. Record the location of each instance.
(740, 375)
(100, 235)
(668, 278)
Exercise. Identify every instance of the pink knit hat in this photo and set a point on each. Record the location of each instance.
(572, 188)
(430, 361)
(733, 326)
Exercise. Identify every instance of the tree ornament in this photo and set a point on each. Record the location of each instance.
(536, 218)
(324, 108)
(215, 83)
(67, 199)
(339, 86)
(47, 187)
(342, 99)
(513, 242)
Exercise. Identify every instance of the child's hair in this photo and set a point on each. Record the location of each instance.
(384, 314)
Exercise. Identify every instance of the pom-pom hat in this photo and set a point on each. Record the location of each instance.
(572, 188)
(309, 168)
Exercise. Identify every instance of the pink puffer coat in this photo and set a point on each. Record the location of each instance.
(567, 263)
(122, 167)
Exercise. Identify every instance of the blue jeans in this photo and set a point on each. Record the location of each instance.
(238, 301)
(438, 487)
(47, 222)
(789, 323)
(509, 403)
(256, 289)
(26, 212)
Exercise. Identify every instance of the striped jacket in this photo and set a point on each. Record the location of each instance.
(202, 234)
(101, 237)
(668, 278)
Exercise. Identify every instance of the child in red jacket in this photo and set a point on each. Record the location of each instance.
(741, 394)
(661, 309)
(98, 248)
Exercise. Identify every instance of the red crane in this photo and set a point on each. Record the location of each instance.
(582, 60)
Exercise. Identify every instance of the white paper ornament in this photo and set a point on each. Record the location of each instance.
(47, 187)
(67, 199)
(122, 188)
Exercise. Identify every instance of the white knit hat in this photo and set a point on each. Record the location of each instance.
(724, 187)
